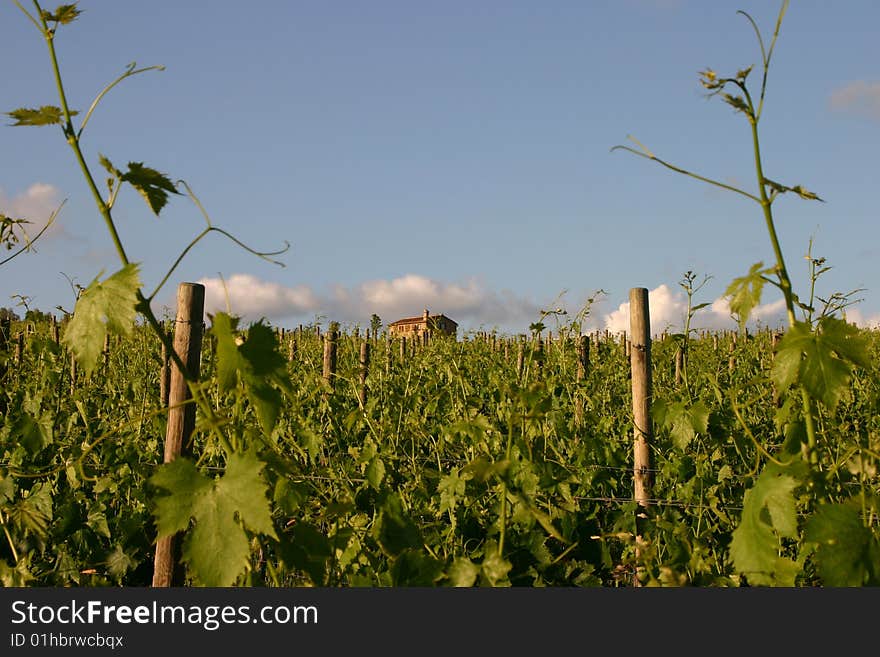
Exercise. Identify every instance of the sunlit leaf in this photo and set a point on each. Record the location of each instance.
(151, 184)
(103, 307)
(64, 14)
(45, 115)
(769, 514)
(216, 548)
(844, 556)
(745, 292)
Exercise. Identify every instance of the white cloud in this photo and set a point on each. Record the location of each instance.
(470, 303)
(668, 311)
(36, 204)
(860, 97)
(857, 317)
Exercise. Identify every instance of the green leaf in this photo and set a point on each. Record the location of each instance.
(103, 307)
(64, 14)
(34, 435)
(108, 165)
(308, 550)
(394, 529)
(451, 489)
(216, 549)
(151, 184)
(256, 363)
(745, 292)
(45, 115)
(495, 568)
(415, 568)
(463, 572)
(821, 360)
(32, 514)
(229, 361)
(375, 472)
(119, 562)
(844, 555)
(769, 514)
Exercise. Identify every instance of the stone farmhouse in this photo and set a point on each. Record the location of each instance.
(418, 326)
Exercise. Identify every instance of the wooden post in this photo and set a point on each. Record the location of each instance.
(402, 349)
(583, 357)
(291, 348)
(364, 369)
(5, 328)
(19, 350)
(520, 358)
(330, 341)
(106, 351)
(167, 568)
(679, 365)
(539, 355)
(165, 377)
(640, 362)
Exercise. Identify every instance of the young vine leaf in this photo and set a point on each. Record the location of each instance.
(755, 544)
(45, 115)
(151, 184)
(102, 307)
(256, 363)
(745, 292)
(821, 360)
(847, 553)
(216, 548)
(63, 14)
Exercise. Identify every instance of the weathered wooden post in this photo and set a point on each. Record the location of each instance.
(520, 358)
(330, 341)
(5, 328)
(402, 349)
(679, 365)
(364, 369)
(583, 357)
(539, 356)
(165, 377)
(19, 350)
(188, 329)
(640, 363)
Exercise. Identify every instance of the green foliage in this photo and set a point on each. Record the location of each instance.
(821, 360)
(847, 552)
(769, 515)
(216, 548)
(104, 306)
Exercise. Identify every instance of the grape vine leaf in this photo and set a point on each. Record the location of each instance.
(64, 14)
(821, 360)
(216, 548)
(103, 307)
(151, 184)
(462, 572)
(847, 553)
(769, 514)
(745, 292)
(394, 529)
(45, 115)
(255, 362)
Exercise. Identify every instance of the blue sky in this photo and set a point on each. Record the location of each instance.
(453, 155)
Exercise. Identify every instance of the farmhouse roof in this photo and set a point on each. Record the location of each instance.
(419, 319)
